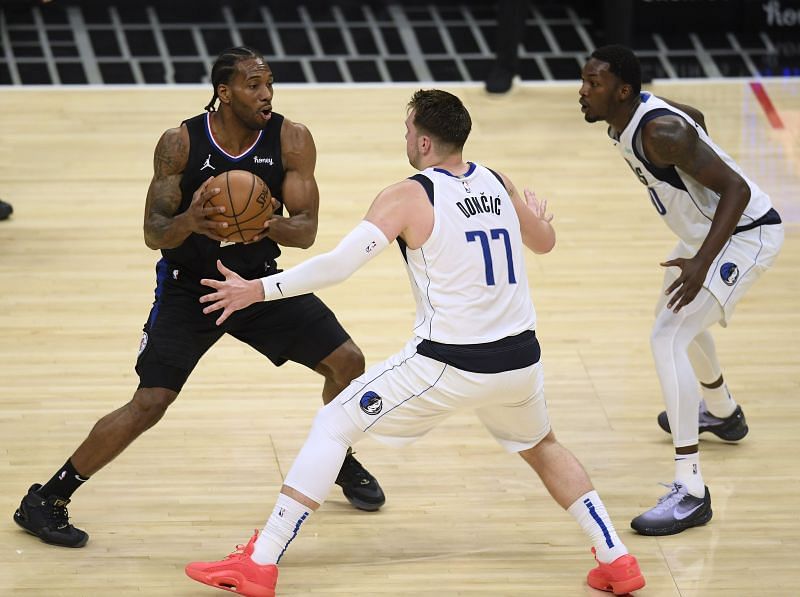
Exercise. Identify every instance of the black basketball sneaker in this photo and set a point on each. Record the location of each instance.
(731, 429)
(359, 487)
(48, 519)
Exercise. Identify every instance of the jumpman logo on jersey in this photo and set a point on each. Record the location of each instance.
(207, 164)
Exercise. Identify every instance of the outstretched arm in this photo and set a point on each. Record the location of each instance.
(671, 141)
(395, 212)
(234, 292)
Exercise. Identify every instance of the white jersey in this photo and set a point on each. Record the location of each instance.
(469, 278)
(685, 205)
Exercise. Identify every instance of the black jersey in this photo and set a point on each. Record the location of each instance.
(196, 257)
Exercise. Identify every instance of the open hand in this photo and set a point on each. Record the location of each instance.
(539, 208)
(688, 284)
(232, 294)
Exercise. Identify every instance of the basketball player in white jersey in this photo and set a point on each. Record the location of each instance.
(461, 229)
(728, 235)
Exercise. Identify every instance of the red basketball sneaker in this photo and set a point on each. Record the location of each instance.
(620, 577)
(237, 573)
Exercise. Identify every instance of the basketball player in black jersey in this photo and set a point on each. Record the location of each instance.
(244, 134)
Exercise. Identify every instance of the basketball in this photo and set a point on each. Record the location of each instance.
(247, 201)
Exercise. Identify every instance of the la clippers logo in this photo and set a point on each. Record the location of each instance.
(729, 273)
(371, 403)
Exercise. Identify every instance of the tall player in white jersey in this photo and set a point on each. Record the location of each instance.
(461, 229)
(729, 234)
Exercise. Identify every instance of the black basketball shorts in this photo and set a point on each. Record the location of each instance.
(177, 333)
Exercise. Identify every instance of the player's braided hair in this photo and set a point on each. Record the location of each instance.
(441, 115)
(225, 66)
(623, 63)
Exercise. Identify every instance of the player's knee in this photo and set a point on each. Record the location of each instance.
(539, 453)
(354, 362)
(344, 365)
(661, 349)
(332, 421)
(150, 404)
(656, 339)
(667, 338)
(536, 452)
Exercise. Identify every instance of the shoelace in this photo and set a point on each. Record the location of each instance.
(352, 468)
(240, 549)
(238, 552)
(670, 499)
(59, 515)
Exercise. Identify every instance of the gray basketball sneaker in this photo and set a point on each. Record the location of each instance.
(731, 429)
(676, 511)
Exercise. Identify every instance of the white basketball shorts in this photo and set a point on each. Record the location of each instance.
(738, 265)
(401, 399)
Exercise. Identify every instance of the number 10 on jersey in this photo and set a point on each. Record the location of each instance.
(483, 238)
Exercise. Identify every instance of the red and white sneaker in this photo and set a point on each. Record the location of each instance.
(237, 573)
(622, 576)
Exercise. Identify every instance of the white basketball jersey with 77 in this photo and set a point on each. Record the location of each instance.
(468, 278)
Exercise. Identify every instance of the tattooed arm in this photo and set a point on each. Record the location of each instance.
(163, 229)
(671, 141)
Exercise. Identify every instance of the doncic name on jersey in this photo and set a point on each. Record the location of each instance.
(483, 203)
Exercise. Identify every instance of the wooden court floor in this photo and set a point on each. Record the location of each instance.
(462, 517)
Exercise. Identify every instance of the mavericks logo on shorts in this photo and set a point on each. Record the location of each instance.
(371, 403)
(142, 343)
(729, 273)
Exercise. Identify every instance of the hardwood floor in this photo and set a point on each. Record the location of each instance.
(462, 517)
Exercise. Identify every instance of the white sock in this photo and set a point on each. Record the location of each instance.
(719, 401)
(591, 514)
(282, 526)
(687, 473)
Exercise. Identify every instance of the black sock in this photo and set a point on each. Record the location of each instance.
(64, 483)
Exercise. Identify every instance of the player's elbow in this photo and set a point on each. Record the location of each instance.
(744, 189)
(305, 241)
(150, 241)
(549, 245)
(541, 243)
(734, 193)
(156, 241)
(739, 190)
(307, 236)
(157, 245)
(545, 246)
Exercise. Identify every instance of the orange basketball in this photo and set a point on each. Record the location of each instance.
(248, 204)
